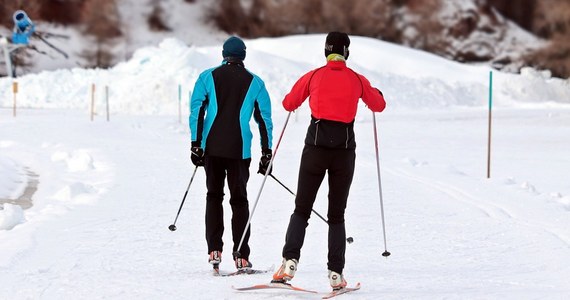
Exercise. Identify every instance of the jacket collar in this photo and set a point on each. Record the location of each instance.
(336, 64)
(232, 61)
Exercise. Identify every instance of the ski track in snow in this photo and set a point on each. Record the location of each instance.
(485, 205)
(492, 211)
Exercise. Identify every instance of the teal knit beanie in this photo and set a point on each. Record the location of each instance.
(234, 47)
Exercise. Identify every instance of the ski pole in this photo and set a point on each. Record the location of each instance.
(349, 239)
(237, 253)
(385, 253)
(296, 196)
(173, 226)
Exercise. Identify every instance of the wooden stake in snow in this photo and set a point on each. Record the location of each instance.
(489, 133)
(107, 100)
(179, 103)
(15, 91)
(92, 100)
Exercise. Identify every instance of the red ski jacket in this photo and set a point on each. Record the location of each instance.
(334, 90)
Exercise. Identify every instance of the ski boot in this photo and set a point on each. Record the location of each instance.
(215, 259)
(286, 271)
(242, 264)
(336, 280)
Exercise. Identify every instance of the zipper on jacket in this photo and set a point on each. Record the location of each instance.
(346, 143)
(316, 130)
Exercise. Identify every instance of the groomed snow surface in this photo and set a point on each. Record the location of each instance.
(107, 191)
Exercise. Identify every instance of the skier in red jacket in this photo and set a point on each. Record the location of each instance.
(333, 91)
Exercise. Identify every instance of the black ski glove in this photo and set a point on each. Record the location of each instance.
(266, 155)
(197, 156)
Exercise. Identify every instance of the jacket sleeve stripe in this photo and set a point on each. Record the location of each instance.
(262, 127)
(200, 127)
(262, 115)
(198, 102)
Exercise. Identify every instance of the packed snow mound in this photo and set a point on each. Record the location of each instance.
(13, 179)
(76, 162)
(156, 79)
(11, 216)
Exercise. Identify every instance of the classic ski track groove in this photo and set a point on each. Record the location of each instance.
(493, 211)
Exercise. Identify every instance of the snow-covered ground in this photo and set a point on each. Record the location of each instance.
(107, 191)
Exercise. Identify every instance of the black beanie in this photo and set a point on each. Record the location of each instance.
(337, 42)
(234, 47)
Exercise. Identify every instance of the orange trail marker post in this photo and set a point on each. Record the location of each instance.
(107, 100)
(489, 124)
(179, 103)
(92, 100)
(15, 92)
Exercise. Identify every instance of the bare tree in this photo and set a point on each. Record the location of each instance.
(230, 16)
(555, 57)
(8, 7)
(156, 17)
(101, 21)
(65, 12)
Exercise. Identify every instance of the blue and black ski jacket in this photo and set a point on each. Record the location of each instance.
(221, 106)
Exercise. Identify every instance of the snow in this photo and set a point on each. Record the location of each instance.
(187, 22)
(107, 191)
(155, 73)
(11, 216)
(13, 178)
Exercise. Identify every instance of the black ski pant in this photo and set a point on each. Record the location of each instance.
(315, 162)
(237, 171)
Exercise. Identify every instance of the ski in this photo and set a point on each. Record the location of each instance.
(240, 272)
(345, 290)
(274, 285)
(217, 272)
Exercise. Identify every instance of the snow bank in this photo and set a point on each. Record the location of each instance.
(13, 179)
(75, 192)
(11, 216)
(78, 161)
(149, 82)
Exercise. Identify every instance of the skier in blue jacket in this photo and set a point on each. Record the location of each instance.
(222, 104)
